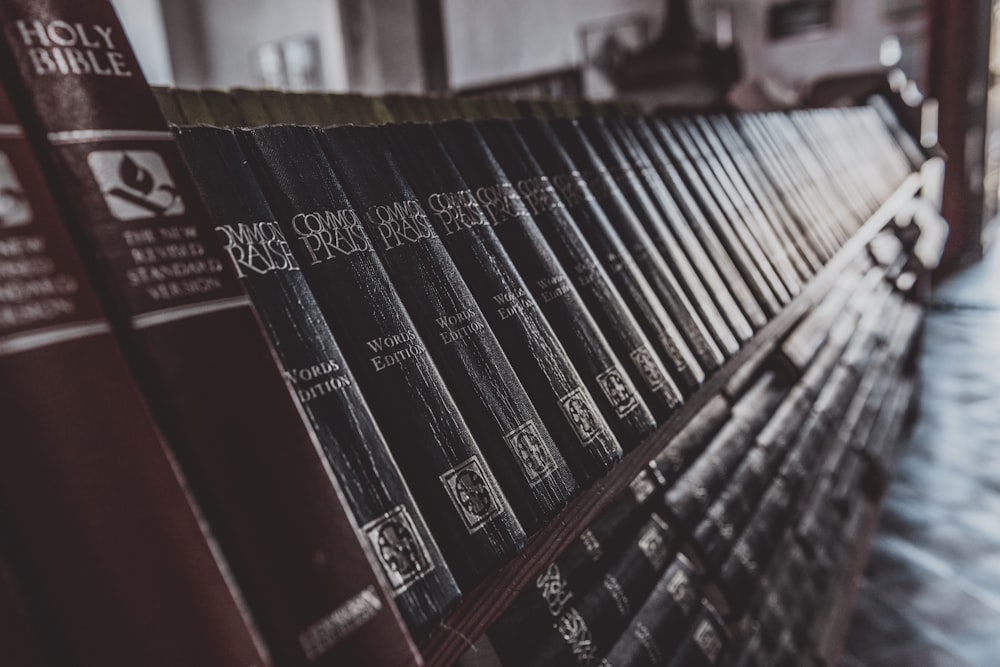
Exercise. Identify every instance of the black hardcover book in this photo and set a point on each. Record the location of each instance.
(449, 477)
(636, 204)
(771, 221)
(755, 233)
(596, 228)
(707, 643)
(589, 276)
(713, 215)
(489, 395)
(663, 621)
(589, 625)
(526, 622)
(694, 232)
(596, 156)
(756, 177)
(421, 583)
(692, 494)
(554, 291)
(551, 380)
(691, 440)
(661, 216)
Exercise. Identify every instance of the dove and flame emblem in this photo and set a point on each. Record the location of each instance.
(135, 184)
(14, 208)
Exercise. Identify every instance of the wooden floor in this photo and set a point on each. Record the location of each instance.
(931, 594)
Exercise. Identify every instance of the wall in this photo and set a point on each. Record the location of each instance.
(143, 21)
(492, 40)
(213, 40)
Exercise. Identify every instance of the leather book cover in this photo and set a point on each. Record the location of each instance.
(194, 341)
(525, 624)
(658, 212)
(762, 187)
(707, 643)
(676, 235)
(553, 289)
(444, 467)
(660, 625)
(513, 437)
(589, 625)
(698, 236)
(622, 330)
(764, 283)
(764, 248)
(21, 642)
(614, 227)
(312, 361)
(781, 237)
(84, 468)
(589, 218)
(536, 355)
(697, 315)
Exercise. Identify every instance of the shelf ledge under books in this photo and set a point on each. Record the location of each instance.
(482, 606)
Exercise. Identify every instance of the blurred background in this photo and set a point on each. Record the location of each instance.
(753, 54)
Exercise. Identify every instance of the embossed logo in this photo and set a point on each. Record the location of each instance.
(473, 492)
(618, 391)
(645, 362)
(14, 207)
(135, 184)
(532, 454)
(554, 589)
(581, 412)
(399, 548)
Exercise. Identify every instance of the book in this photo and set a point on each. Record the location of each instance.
(660, 625)
(589, 276)
(519, 448)
(639, 183)
(454, 486)
(766, 251)
(588, 626)
(587, 215)
(697, 236)
(538, 358)
(192, 338)
(758, 274)
(554, 291)
(85, 470)
(312, 361)
(619, 232)
(596, 154)
(707, 643)
(21, 640)
(529, 618)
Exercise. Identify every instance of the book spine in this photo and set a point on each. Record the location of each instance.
(553, 384)
(21, 642)
(84, 463)
(697, 235)
(613, 181)
(603, 299)
(756, 234)
(691, 440)
(628, 164)
(660, 625)
(782, 237)
(512, 435)
(587, 188)
(760, 184)
(587, 215)
(553, 289)
(671, 230)
(588, 626)
(312, 361)
(193, 338)
(707, 643)
(523, 626)
(449, 477)
(755, 268)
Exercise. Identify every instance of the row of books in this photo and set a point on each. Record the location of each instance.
(741, 559)
(305, 386)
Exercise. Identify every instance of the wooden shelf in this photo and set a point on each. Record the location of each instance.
(483, 605)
